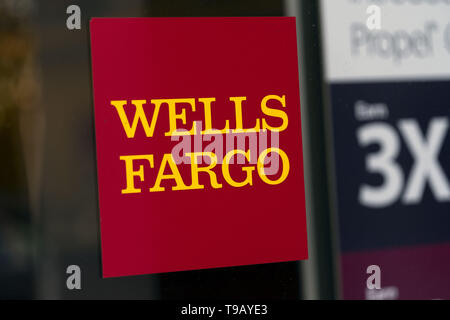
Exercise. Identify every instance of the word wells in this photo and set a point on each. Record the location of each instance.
(237, 154)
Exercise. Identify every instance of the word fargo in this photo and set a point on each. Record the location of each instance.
(199, 149)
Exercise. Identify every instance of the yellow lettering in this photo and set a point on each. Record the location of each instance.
(168, 159)
(130, 173)
(208, 122)
(274, 113)
(238, 112)
(174, 116)
(139, 115)
(226, 170)
(195, 169)
(260, 165)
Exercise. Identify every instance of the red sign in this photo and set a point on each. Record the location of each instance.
(199, 147)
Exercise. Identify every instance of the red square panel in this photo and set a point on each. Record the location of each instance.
(162, 209)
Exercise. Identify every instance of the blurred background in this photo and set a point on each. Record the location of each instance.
(375, 96)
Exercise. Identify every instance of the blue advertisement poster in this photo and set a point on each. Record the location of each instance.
(389, 101)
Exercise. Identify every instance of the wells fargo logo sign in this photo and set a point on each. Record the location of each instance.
(198, 143)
